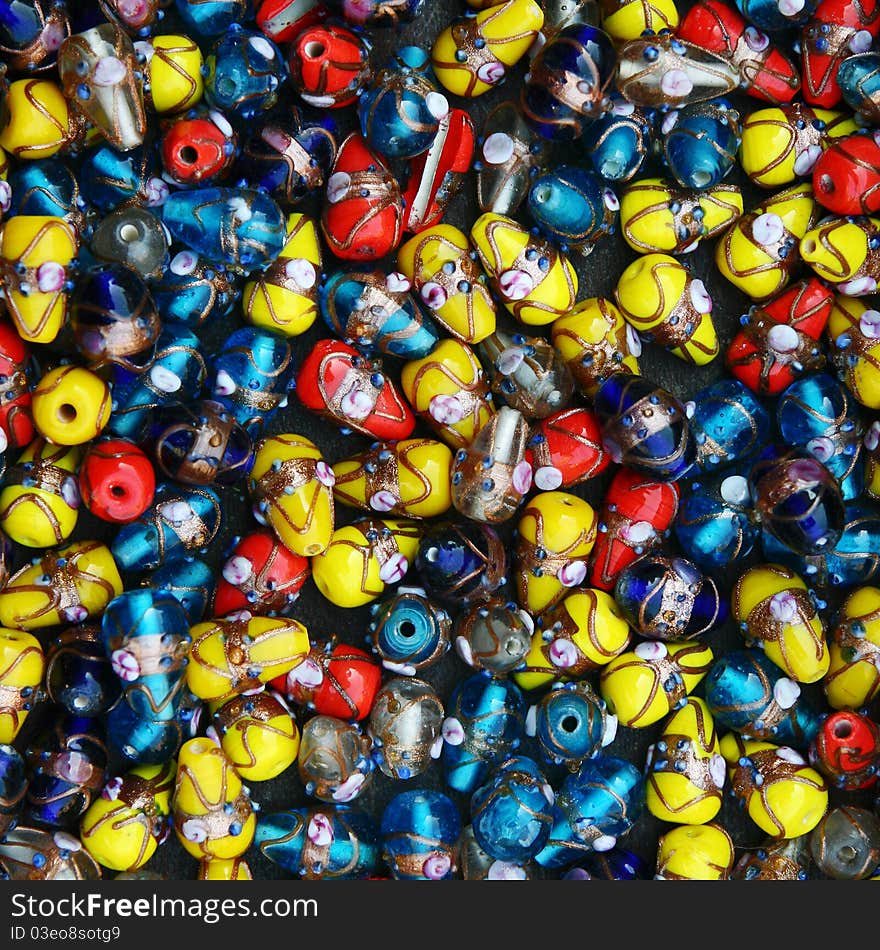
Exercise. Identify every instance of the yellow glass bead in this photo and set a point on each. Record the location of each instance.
(838, 251)
(4, 165)
(563, 527)
(748, 255)
(695, 853)
(21, 671)
(853, 678)
(783, 795)
(595, 341)
(658, 296)
(511, 257)
(362, 558)
(468, 315)
(45, 246)
(68, 585)
(71, 405)
(292, 489)
(685, 770)
(774, 152)
(225, 869)
(258, 735)
(37, 119)
(775, 608)
(649, 224)
(585, 631)
(121, 827)
(284, 297)
(634, 684)
(39, 503)
(625, 20)
(231, 657)
(173, 74)
(852, 326)
(449, 390)
(508, 29)
(213, 816)
(409, 478)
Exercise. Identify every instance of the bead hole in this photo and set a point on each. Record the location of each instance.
(407, 629)
(569, 724)
(188, 155)
(809, 246)
(314, 49)
(701, 179)
(117, 491)
(842, 730)
(129, 233)
(66, 412)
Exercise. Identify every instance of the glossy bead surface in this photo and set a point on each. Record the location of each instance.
(189, 580)
(846, 177)
(198, 149)
(787, 859)
(618, 141)
(686, 853)
(22, 664)
(566, 449)
(408, 631)
(859, 82)
(729, 425)
(573, 208)
(258, 735)
(333, 761)
(419, 833)
(855, 351)
(13, 785)
(847, 750)
(845, 845)
(335, 679)
(245, 70)
(116, 480)
(494, 636)
(71, 405)
(37, 119)
(329, 66)
(405, 725)
(211, 19)
(16, 422)
(698, 143)
(260, 575)
(29, 854)
(194, 291)
(852, 680)
(173, 80)
(79, 675)
(570, 724)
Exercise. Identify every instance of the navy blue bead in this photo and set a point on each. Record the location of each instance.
(78, 673)
(698, 143)
(461, 564)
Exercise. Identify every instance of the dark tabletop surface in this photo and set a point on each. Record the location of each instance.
(598, 275)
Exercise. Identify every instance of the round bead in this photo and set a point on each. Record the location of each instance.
(116, 480)
(173, 74)
(71, 405)
(258, 734)
(688, 853)
(846, 843)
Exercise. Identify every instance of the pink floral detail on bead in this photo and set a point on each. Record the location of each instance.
(755, 39)
(302, 271)
(872, 436)
(433, 295)
(438, 105)
(394, 569)
(325, 474)
(447, 410)
(177, 512)
(612, 202)
(307, 674)
(437, 867)
(50, 277)
(768, 229)
(195, 830)
(348, 790)
(491, 73)
(320, 831)
(806, 159)
(858, 287)
(110, 792)
(700, 296)
(498, 148)
(505, 871)
(157, 192)
(790, 7)
(669, 122)
(572, 574)
(718, 770)
(522, 478)
(515, 284)
(563, 653)
(860, 41)
(382, 501)
(452, 731)
(676, 83)
(183, 263)
(548, 478)
(53, 36)
(5, 196)
(70, 492)
(356, 404)
(397, 283)
(806, 470)
(784, 607)
(337, 187)
(651, 650)
(783, 338)
(73, 767)
(125, 665)
(638, 532)
(510, 360)
(237, 570)
(822, 448)
(131, 9)
(110, 71)
(75, 614)
(869, 324)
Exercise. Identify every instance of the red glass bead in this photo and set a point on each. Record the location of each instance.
(260, 575)
(836, 30)
(283, 20)
(766, 358)
(338, 680)
(116, 481)
(847, 750)
(846, 178)
(362, 218)
(197, 151)
(635, 515)
(566, 449)
(340, 384)
(720, 28)
(329, 66)
(16, 422)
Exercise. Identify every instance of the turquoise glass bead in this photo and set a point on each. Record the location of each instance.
(729, 424)
(570, 724)
(573, 207)
(419, 833)
(698, 143)
(245, 73)
(618, 142)
(191, 582)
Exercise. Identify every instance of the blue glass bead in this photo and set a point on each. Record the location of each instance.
(645, 427)
(511, 814)
(614, 865)
(245, 71)
(109, 178)
(366, 311)
(401, 109)
(855, 559)
(180, 521)
(768, 15)
(13, 784)
(68, 769)
(378, 12)
(570, 724)
(79, 676)
(323, 842)
(484, 724)
(573, 207)
(146, 635)
(408, 631)
(113, 317)
(252, 375)
(594, 807)
(210, 18)
(859, 80)
(669, 598)
(461, 564)
(617, 143)
(728, 423)
(715, 524)
(233, 226)
(419, 832)
(698, 143)
(749, 693)
(47, 187)
(814, 413)
(289, 157)
(191, 581)
(175, 372)
(138, 740)
(579, 55)
(194, 292)
(797, 500)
